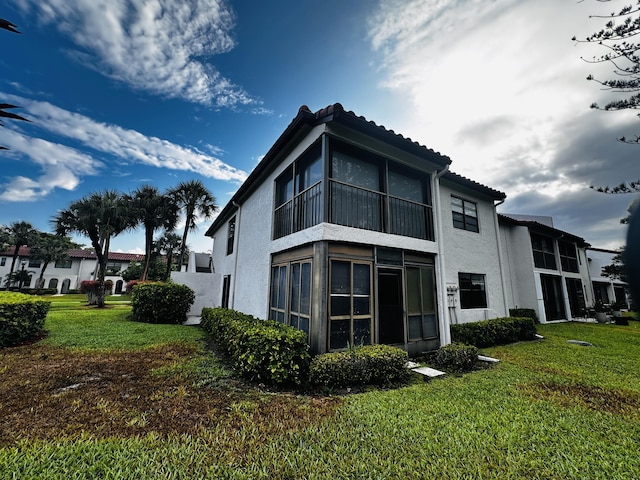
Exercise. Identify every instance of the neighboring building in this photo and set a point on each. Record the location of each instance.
(65, 276)
(357, 235)
(607, 290)
(547, 268)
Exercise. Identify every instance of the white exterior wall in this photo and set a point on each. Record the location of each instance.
(598, 259)
(521, 285)
(471, 252)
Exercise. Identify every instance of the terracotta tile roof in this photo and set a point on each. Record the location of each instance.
(78, 253)
(541, 227)
(473, 185)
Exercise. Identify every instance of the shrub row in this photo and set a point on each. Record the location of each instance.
(161, 302)
(262, 350)
(21, 317)
(365, 365)
(456, 357)
(497, 331)
(524, 312)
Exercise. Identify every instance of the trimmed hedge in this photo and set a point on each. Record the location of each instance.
(457, 357)
(364, 365)
(261, 350)
(21, 317)
(161, 302)
(497, 331)
(524, 312)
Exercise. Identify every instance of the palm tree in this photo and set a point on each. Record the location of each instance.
(99, 216)
(167, 244)
(50, 248)
(154, 211)
(195, 199)
(20, 233)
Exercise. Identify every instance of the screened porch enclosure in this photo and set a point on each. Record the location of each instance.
(364, 191)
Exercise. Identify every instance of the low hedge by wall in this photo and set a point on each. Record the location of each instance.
(524, 312)
(366, 365)
(21, 317)
(161, 302)
(261, 350)
(497, 331)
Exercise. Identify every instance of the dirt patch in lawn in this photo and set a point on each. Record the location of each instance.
(619, 402)
(47, 392)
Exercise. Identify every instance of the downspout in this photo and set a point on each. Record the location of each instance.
(500, 262)
(441, 274)
(237, 250)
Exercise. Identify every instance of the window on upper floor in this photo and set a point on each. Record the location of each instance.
(465, 214)
(63, 263)
(3, 261)
(472, 289)
(231, 235)
(544, 255)
(33, 263)
(568, 256)
(113, 268)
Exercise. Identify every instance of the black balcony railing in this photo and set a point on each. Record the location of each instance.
(302, 211)
(355, 207)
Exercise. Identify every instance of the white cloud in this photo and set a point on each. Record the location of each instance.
(500, 88)
(153, 45)
(63, 166)
(127, 145)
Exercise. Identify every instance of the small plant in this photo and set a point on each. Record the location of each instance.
(161, 302)
(456, 357)
(497, 331)
(365, 365)
(524, 312)
(21, 317)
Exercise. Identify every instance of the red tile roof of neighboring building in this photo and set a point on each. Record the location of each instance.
(79, 253)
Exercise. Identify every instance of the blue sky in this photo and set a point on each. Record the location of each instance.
(123, 93)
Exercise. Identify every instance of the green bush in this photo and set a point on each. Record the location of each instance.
(497, 331)
(456, 357)
(21, 317)
(365, 365)
(261, 350)
(161, 302)
(524, 312)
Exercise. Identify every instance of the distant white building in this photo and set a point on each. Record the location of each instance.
(65, 276)
(607, 290)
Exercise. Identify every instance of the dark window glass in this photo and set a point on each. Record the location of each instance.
(543, 252)
(407, 187)
(568, 257)
(465, 214)
(472, 290)
(63, 263)
(340, 334)
(355, 171)
(226, 288)
(231, 233)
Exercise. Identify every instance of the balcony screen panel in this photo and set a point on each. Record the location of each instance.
(403, 186)
(355, 171)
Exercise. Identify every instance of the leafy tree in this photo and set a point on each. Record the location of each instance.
(616, 270)
(20, 277)
(50, 248)
(153, 211)
(166, 245)
(99, 216)
(618, 38)
(156, 271)
(194, 199)
(19, 234)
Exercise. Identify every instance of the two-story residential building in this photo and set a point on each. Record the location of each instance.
(358, 235)
(606, 289)
(67, 275)
(547, 269)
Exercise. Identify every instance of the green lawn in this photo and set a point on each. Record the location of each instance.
(549, 409)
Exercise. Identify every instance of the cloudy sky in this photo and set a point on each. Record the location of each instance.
(122, 93)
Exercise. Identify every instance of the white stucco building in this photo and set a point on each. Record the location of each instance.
(605, 289)
(65, 276)
(357, 235)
